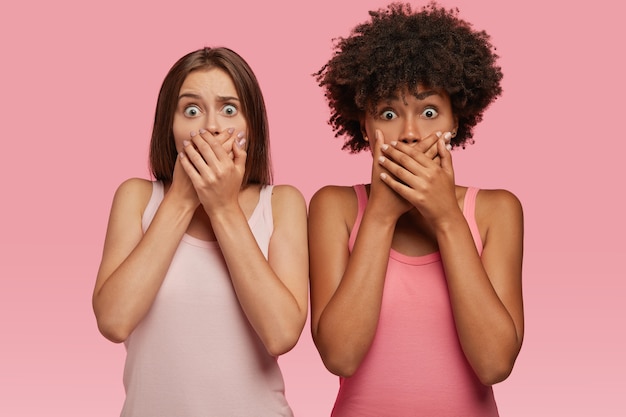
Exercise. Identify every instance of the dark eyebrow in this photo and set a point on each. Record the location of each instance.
(188, 95)
(420, 96)
(227, 98)
(425, 94)
(197, 97)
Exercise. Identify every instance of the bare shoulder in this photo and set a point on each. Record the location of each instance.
(335, 207)
(286, 194)
(493, 201)
(133, 193)
(333, 196)
(288, 205)
(499, 208)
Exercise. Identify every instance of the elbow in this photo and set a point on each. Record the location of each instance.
(343, 364)
(282, 344)
(277, 348)
(340, 359)
(284, 337)
(113, 331)
(493, 377)
(495, 372)
(112, 335)
(344, 369)
(494, 366)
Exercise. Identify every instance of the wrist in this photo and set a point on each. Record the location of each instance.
(448, 225)
(180, 205)
(381, 216)
(225, 212)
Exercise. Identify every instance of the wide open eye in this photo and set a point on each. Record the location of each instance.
(429, 113)
(388, 115)
(230, 110)
(191, 111)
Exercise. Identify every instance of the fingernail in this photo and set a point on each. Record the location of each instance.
(381, 159)
(186, 143)
(383, 176)
(241, 142)
(181, 155)
(438, 134)
(393, 143)
(447, 135)
(448, 147)
(202, 131)
(378, 134)
(384, 147)
(231, 130)
(240, 135)
(192, 134)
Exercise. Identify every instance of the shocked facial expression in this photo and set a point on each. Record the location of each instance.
(411, 116)
(207, 100)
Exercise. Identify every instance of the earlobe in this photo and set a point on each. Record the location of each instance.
(363, 132)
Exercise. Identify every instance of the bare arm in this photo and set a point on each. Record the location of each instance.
(273, 292)
(486, 291)
(133, 265)
(346, 289)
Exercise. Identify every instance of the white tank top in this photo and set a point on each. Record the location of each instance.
(195, 353)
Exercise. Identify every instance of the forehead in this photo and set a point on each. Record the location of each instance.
(420, 92)
(213, 80)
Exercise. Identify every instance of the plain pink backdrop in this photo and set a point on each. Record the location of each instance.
(78, 85)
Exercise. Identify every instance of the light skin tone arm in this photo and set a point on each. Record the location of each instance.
(485, 290)
(133, 265)
(346, 289)
(273, 292)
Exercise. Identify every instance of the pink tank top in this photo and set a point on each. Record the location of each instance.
(415, 366)
(195, 353)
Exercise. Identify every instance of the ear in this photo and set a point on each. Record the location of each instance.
(362, 124)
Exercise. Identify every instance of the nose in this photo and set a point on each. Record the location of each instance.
(410, 132)
(212, 124)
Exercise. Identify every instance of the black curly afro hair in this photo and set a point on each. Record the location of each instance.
(401, 48)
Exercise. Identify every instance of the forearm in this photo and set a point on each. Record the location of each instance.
(131, 287)
(486, 329)
(270, 306)
(347, 325)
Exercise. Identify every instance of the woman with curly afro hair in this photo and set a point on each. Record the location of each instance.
(416, 282)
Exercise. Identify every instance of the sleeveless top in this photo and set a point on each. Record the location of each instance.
(415, 365)
(195, 353)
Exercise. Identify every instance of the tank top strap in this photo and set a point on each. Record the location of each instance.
(153, 204)
(361, 196)
(263, 209)
(469, 211)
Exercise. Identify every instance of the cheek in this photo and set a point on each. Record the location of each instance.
(181, 132)
(241, 125)
(390, 131)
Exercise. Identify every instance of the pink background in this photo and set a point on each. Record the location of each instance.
(78, 86)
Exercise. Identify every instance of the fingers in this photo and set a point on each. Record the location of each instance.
(379, 143)
(239, 152)
(443, 150)
(426, 146)
(404, 162)
(204, 148)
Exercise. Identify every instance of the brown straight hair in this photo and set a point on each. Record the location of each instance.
(162, 146)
